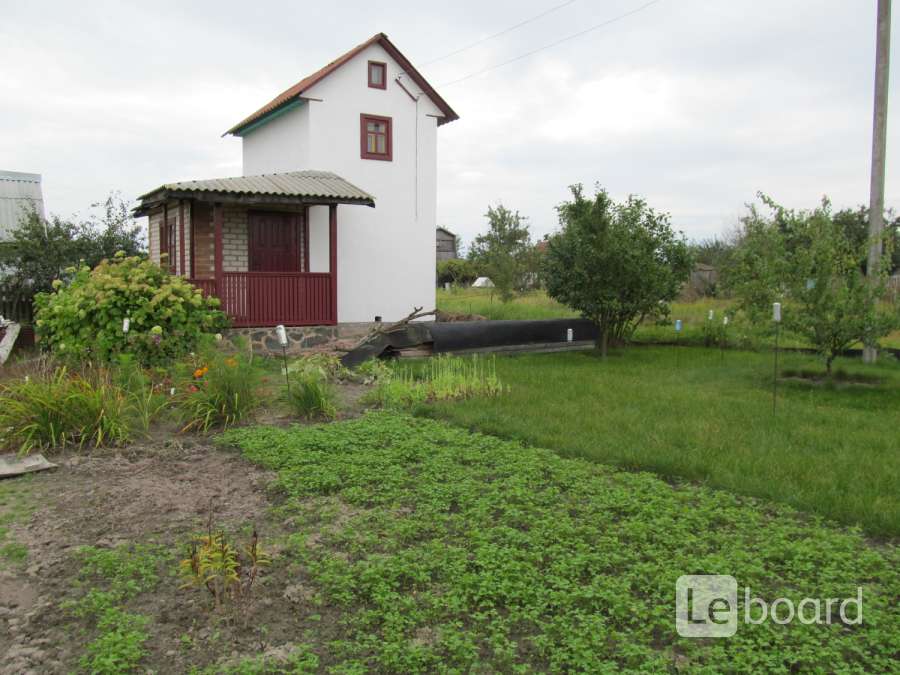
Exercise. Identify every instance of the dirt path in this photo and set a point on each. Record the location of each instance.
(160, 493)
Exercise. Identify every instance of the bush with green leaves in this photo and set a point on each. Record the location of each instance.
(616, 263)
(83, 318)
(813, 263)
(456, 271)
(38, 250)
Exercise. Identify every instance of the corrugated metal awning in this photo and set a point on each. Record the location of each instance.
(292, 187)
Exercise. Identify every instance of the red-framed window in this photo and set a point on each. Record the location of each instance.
(375, 137)
(167, 244)
(377, 75)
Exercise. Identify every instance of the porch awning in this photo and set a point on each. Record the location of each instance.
(292, 187)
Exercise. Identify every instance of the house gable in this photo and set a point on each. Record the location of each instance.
(302, 89)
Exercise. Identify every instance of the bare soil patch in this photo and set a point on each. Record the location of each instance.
(161, 493)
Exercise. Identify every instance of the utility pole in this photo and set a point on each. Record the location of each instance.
(879, 149)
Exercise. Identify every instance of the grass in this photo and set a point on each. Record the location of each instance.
(15, 507)
(109, 578)
(692, 413)
(435, 549)
(694, 315)
(440, 378)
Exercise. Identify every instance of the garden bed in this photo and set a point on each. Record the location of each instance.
(405, 545)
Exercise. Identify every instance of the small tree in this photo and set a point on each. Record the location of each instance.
(502, 253)
(615, 263)
(40, 250)
(812, 262)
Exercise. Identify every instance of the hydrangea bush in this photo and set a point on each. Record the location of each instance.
(84, 316)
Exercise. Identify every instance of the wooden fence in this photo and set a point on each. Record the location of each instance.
(271, 298)
(20, 311)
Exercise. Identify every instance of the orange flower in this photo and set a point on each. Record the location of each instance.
(230, 362)
(200, 372)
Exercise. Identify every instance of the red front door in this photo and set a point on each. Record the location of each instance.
(273, 242)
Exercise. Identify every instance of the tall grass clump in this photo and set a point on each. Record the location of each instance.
(440, 378)
(147, 401)
(309, 393)
(221, 391)
(311, 396)
(56, 408)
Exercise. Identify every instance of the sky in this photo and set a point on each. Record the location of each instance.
(695, 105)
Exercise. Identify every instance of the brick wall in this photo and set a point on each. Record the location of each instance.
(234, 239)
(204, 243)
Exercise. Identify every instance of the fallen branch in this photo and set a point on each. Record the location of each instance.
(417, 313)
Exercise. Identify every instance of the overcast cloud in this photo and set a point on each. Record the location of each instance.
(695, 105)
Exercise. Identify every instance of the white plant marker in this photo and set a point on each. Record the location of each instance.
(678, 325)
(283, 341)
(570, 335)
(776, 317)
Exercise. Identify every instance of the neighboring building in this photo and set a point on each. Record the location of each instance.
(19, 193)
(446, 244)
(273, 245)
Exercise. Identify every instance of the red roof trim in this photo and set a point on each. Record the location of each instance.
(295, 91)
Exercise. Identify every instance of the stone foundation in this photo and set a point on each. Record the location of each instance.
(301, 339)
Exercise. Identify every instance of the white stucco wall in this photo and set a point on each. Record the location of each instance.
(281, 144)
(386, 255)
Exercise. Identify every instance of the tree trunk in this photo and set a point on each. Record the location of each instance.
(603, 340)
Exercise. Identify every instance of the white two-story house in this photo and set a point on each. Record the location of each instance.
(334, 217)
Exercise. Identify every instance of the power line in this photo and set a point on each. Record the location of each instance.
(552, 44)
(502, 32)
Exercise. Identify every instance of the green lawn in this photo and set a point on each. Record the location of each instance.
(694, 315)
(423, 548)
(689, 412)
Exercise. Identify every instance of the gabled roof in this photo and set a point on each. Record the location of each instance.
(292, 187)
(295, 92)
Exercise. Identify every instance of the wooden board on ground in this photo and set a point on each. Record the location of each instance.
(12, 465)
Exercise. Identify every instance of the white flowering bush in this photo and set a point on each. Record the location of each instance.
(84, 317)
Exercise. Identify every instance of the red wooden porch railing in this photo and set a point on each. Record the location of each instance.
(272, 298)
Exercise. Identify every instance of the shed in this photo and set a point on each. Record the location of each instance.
(19, 192)
(445, 244)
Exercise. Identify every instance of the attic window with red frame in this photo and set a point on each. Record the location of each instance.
(377, 75)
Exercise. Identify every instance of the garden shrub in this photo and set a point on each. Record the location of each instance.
(84, 317)
(456, 271)
(326, 366)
